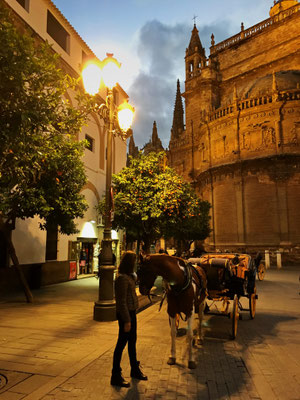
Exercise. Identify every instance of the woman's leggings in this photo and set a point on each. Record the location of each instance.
(124, 338)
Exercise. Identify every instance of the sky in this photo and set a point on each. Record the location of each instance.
(149, 38)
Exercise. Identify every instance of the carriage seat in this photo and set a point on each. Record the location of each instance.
(218, 273)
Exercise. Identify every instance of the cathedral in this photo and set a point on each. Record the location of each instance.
(240, 144)
(154, 145)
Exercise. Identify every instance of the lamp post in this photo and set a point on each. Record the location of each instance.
(118, 121)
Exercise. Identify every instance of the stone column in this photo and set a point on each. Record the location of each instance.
(279, 144)
(267, 258)
(282, 208)
(278, 257)
(239, 195)
(212, 210)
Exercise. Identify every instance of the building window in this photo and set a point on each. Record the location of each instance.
(90, 143)
(51, 242)
(24, 4)
(58, 32)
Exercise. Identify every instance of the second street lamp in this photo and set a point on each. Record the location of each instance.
(118, 121)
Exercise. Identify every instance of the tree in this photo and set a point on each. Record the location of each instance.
(191, 221)
(152, 201)
(41, 171)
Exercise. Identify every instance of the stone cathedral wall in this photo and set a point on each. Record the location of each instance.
(242, 149)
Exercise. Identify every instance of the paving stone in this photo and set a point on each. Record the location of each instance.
(234, 370)
(11, 396)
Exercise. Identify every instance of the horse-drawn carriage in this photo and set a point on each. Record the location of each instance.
(218, 278)
(229, 278)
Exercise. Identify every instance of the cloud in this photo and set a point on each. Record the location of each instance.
(161, 52)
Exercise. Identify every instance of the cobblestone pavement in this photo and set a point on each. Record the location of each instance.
(262, 363)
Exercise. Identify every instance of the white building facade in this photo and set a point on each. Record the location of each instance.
(58, 253)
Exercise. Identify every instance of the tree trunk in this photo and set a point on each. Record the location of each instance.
(179, 248)
(12, 253)
(147, 243)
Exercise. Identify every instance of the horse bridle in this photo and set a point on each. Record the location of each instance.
(149, 295)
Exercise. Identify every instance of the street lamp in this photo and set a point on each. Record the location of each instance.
(118, 121)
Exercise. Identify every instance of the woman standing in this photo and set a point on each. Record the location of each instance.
(126, 306)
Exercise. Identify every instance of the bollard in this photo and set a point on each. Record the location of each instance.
(267, 259)
(278, 256)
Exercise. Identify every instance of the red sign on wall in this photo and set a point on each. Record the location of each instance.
(73, 270)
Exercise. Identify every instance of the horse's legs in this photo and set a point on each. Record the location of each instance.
(190, 323)
(172, 358)
(199, 338)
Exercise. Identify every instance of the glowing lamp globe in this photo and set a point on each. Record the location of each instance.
(125, 116)
(91, 76)
(110, 71)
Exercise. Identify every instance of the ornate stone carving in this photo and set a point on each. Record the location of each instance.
(295, 132)
(268, 136)
(203, 152)
(246, 140)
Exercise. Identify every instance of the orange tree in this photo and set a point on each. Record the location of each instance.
(152, 201)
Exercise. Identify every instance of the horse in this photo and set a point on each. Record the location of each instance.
(185, 290)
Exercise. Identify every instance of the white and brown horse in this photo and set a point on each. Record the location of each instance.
(186, 292)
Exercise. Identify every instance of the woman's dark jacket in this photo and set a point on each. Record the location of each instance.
(126, 297)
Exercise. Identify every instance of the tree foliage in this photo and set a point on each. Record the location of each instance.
(152, 201)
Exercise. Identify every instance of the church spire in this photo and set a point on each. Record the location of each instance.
(154, 133)
(178, 125)
(195, 58)
(133, 150)
(155, 143)
(195, 45)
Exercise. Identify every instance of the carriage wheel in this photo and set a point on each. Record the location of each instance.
(252, 303)
(261, 272)
(235, 315)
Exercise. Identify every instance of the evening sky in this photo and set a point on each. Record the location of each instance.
(149, 38)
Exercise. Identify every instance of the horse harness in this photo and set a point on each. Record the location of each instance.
(188, 269)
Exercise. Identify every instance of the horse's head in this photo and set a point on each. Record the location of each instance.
(146, 275)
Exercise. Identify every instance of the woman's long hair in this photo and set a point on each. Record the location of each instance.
(127, 263)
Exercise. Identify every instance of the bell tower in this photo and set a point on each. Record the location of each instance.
(201, 85)
(195, 58)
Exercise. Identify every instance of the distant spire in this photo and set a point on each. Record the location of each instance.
(195, 45)
(154, 133)
(155, 143)
(178, 125)
(133, 150)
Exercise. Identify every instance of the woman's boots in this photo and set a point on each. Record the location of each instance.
(136, 373)
(118, 380)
